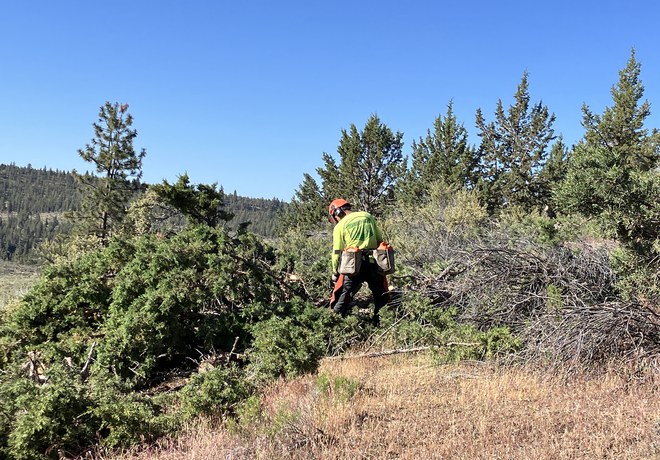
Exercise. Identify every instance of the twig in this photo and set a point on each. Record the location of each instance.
(376, 354)
(84, 372)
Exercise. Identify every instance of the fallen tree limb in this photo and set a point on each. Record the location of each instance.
(377, 354)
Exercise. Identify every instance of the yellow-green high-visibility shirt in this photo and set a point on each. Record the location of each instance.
(356, 229)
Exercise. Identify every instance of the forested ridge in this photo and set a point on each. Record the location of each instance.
(160, 308)
(34, 204)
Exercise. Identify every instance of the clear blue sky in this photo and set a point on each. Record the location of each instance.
(249, 95)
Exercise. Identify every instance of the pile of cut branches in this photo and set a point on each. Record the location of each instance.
(562, 300)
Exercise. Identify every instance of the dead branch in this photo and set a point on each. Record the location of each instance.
(84, 372)
(378, 354)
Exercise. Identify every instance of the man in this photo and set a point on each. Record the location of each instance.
(355, 230)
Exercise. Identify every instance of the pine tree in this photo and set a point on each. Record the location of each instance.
(513, 150)
(111, 152)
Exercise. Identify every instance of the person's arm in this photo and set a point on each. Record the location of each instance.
(336, 247)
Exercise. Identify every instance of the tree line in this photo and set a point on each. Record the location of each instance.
(37, 206)
(610, 175)
(33, 203)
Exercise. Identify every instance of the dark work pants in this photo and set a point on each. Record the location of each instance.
(350, 285)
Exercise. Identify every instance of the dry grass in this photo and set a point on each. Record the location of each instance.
(15, 280)
(405, 407)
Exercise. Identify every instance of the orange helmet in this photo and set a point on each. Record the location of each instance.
(337, 206)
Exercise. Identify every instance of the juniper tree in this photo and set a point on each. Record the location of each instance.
(613, 171)
(553, 172)
(370, 164)
(201, 203)
(443, 156)
(307, 208)
(513, 150)
(119, 169)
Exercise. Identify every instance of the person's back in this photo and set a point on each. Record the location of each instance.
(355, 229)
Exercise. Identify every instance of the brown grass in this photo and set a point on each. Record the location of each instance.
(407, 408)
(15, 280)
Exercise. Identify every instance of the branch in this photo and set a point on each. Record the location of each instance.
(377, 354)
(84, 372)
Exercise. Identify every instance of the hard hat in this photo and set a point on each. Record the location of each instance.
(336, 206)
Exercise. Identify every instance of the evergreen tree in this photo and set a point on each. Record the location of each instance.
(553, 173)
(307, 209)
(443, 156)
(513, 151)
(111, 151)
(202, 203)
(613, 172)
(370, 164)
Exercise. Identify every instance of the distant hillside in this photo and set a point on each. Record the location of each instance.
(33, 201)
(34, 191)
(262, 213)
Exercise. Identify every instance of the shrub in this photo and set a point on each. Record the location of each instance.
(129, 319)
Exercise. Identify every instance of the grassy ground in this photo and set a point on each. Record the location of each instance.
(407, 407)
(15, 280)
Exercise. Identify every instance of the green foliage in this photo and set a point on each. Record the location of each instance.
(533, 225)
(625, 202)
(416, 321)
(219, 390)
(292, 341)
(639, 278)
(554, 301)
(612, 174)
(111, 152)
(370, 164)
(339, 388)
(247, 412)
(416, 229)
(123, 417)
(202, 203)
(499, 341)
(308, 209)
(306, 261)
(613, 177)
(126, 317)
(51, 419)
(513, 152)
(443, 156)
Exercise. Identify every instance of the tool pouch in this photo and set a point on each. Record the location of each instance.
(384, 257)
(350, 261)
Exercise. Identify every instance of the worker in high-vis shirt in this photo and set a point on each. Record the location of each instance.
(355, 231)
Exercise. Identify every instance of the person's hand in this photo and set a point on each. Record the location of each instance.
(333, 280)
